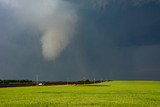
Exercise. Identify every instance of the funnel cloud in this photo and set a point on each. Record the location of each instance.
(55, 19)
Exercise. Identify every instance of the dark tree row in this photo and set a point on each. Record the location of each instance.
(14, 81)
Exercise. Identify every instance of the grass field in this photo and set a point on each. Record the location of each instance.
(106, 94)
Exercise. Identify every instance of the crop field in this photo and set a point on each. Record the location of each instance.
(106, 94)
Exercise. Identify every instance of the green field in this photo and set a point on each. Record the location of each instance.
(106, 94)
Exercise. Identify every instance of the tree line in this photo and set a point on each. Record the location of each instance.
(15, 81)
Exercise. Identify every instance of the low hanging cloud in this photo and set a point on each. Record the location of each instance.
(55, 19)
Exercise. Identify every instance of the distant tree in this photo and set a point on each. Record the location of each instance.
(87, 80)
(14, 81)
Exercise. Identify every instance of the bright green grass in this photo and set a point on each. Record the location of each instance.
(107, 94)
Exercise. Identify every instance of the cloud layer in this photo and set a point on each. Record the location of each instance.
(114, 39)
(55, 19)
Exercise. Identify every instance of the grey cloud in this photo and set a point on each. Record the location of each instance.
(54, 18)
(120, 42)
(102, 4)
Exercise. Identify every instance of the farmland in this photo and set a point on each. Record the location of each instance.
(109, 94)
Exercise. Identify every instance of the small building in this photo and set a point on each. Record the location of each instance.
(40, 84)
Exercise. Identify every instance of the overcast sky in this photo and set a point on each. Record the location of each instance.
(75, 39)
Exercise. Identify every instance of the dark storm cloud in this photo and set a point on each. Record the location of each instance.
(112, 39)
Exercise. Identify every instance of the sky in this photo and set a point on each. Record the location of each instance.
(72, 40)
